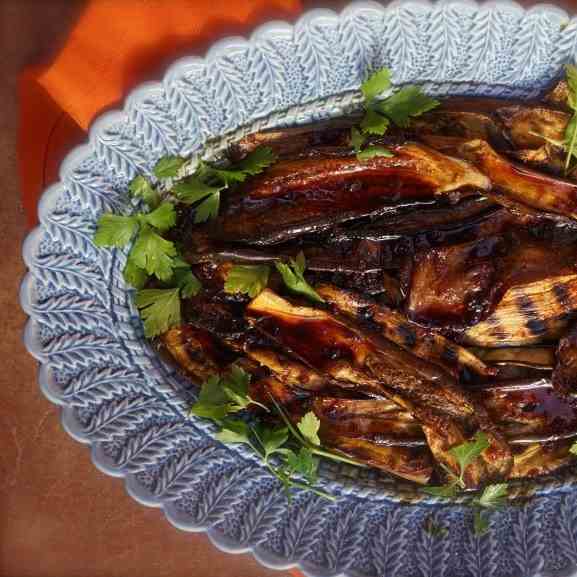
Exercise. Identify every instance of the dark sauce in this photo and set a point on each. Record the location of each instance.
(318, 342)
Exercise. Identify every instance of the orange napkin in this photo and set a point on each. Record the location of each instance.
(114, 46)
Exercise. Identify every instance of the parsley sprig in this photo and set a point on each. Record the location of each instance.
(247, 279)
(253, 279)
(397, 108)
(493, 496)
(225, 394)
(571, 129)
(293, 276)
(203, 188)
(465, 454)
(152, 255)
(289, 452)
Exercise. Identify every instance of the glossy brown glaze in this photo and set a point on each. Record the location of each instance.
(298, 196)
(452, 286)
(397, 328)
(565, 373)
(520, 186)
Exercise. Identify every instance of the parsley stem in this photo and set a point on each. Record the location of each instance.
(282, 477)
(295, 433)
(314, 449)
(334, 456)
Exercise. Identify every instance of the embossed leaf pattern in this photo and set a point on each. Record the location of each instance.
(179, 474)
(344, 536)
(431, 553)
(567, 535)
(149, 446)
(91, 337)
(262, 516)
(527, 549)
(97, 384)
(124, 415)
(479, 553)
(388, 542)
(306, 523)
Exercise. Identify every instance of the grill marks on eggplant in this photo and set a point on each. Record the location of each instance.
(447, 244)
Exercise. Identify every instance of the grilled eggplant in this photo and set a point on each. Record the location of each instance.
(452, 286)
(565, 373)
(328, 343)
(528, 314)
(521, 188)
(426, 345)
(195, 351)
(309, 195)
(540, 459)
(446, 244)
(411, 464)
(532, 126)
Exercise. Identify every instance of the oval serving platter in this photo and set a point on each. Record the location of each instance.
(117, 396)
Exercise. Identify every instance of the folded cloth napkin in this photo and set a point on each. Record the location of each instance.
(114, 46)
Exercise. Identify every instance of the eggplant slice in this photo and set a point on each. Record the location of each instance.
(452, 286)
(295, 197)
(521, 188)
(394, 326)
(565, 372)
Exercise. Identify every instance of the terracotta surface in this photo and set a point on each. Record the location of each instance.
(60, 517)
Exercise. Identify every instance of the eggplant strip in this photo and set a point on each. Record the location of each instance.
(521, 186)
(287, 370)
(417, 164)
(295, 197)
(413, 464)
(407, 463)
(429, 346)
(528, 314)
(453, 286)
(536, 459)
(565, 372)
(320, 338)
(324, 342)
(531, 126)
(195, 351)
(532, 357)
(296, 140)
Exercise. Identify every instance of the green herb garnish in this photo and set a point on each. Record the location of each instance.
(493, 497)
(397, 108)
(295, 448)
(248, 279)
(465, 454)
(203, 188)
(168, 166)
(159, 309)
(222, 395)
(293, 277)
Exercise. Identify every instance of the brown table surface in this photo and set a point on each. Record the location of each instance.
(59, 516)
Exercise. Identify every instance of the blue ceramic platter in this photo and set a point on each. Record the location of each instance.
(120, 399)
